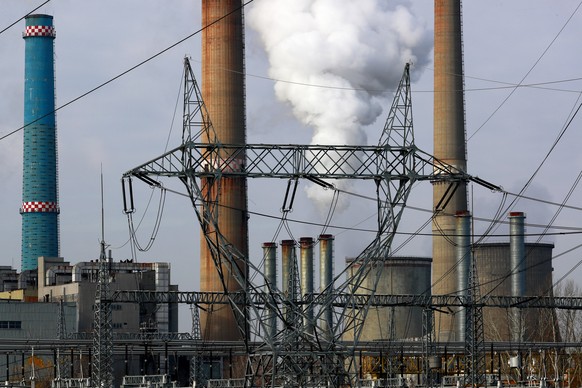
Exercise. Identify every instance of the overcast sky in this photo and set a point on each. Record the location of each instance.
(129, 121)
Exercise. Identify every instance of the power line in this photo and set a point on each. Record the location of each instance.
(19, 20)
(528, 72)
(130, 69)
(571, 230)
(506, 85)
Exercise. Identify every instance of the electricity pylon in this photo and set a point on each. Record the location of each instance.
(295, 356)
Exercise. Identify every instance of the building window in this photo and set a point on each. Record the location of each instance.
(10, 324)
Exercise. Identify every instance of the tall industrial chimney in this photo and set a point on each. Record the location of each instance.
(326, 283)
(40, 207)
(518, 268)
(223, 93)
(289, 279)
(306, 249)
(464, 260)
(270, 257)
(450, 147)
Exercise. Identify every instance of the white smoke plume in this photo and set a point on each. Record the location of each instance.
(334, 61)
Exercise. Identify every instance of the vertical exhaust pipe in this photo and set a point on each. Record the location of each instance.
(288, 278)
(306, 252)
(270, 256)
(517, 266)
(326, 282)
(464, 258)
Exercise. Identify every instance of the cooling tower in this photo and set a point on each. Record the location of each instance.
(450, 147)
(400, 276)
(494, 268)
(223, 93)
(40, 207)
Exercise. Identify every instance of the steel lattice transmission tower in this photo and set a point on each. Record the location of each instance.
(102, 372)
(298, 355)
(475, 337)
(197, 375)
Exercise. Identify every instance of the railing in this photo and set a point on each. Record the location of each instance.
(226, 383)
(71, 383)
(145, 380)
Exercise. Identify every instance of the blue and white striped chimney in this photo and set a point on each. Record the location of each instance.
(40, 207)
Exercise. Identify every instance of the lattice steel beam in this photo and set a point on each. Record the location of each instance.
(341, 300)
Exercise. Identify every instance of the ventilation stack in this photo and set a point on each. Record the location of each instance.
(464, 258)
(326, 283)
(306, 251)
(270, 257)
(223, 93)
(518, 270)
(450, 147)
(40, 206)
(289, 280)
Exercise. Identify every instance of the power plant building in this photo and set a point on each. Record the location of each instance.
(59, 305)
(75, 285)
(58, 280)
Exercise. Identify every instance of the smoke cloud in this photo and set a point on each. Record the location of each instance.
(335, 60)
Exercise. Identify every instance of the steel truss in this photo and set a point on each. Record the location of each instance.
(295, 356)
(342, 300)
(102, 372)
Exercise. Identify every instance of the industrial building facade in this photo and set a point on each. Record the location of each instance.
(57, 304)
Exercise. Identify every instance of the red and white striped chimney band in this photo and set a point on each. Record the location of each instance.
(42, 207)
(39, 31)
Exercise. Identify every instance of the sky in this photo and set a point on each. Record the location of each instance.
(291, 55)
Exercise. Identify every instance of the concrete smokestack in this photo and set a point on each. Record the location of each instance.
(326, 281)
(450, 147)
(306, 251)
(270, 257)
(518, 269)
(40, 206)
(464, 258)
(288, 277)
(223, 93)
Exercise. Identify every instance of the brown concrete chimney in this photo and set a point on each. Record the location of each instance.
(224, 97)
(450, 147)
